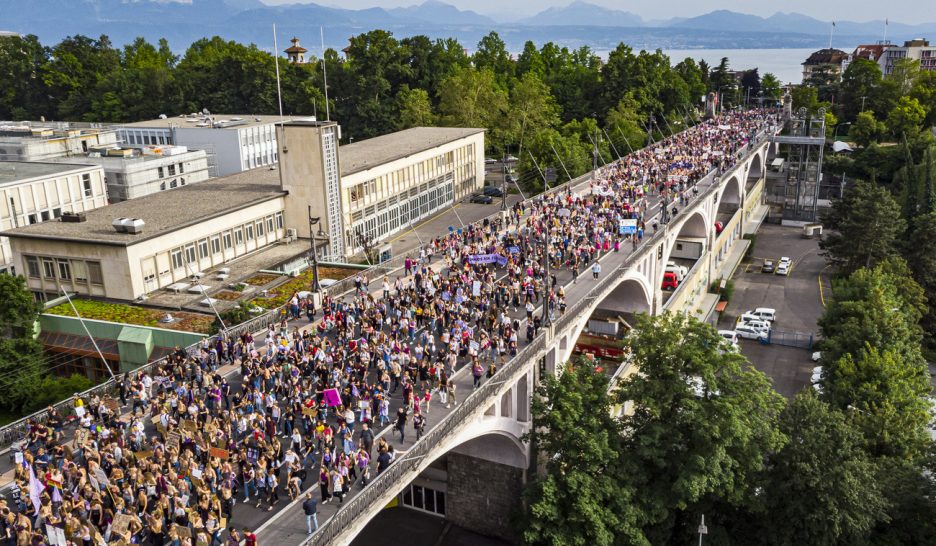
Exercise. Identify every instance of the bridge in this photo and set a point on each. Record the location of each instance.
(480, 439)
(471, 463)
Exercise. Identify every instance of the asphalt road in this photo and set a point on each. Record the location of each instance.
(796, 297)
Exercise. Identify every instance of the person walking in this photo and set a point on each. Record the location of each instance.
(401, 422)
(477, 370)
(310, 508)
(596, 269)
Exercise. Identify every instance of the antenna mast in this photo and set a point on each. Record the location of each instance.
(324, 74)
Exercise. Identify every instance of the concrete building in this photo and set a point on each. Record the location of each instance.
(185, 231)
(233, 143)
(379, 186)
(33, 193)
(871, 52)
(393, 181)
(825, 59)
(136, 172)
(42, 141)
(918, 49)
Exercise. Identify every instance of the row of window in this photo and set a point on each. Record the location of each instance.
(174, 183)
(171, 169)
(141, 139)
(64, 269)
(209, 246)
(381, 225)
(403, 179)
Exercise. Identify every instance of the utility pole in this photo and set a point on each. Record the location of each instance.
(316, 286)
(547, 293)
(504, 185)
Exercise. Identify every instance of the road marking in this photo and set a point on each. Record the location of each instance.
(426, 221)
(821, 296)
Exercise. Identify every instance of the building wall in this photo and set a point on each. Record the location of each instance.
(75, 143)
(137, 177)
(43, 199)
(482, 495)
(129, 272)
(388, 198)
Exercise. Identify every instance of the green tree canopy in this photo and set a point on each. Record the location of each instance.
(21, 360)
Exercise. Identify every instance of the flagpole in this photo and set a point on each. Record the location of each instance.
(885, 30)
(831, 33)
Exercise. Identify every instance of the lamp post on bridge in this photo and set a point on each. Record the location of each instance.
(547, 289)
(313, 221)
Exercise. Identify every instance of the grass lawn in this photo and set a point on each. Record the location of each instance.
(282, 293)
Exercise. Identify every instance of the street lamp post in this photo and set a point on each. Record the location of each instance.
(504, 185)
(835, 133)
(547, 289)
(313, 221)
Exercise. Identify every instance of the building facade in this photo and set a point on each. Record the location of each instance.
(233, 143)
(828, 59)
(918, 49)
(34, 192)
(39, 141)
(134, 173)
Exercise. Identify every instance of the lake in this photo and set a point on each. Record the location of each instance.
(785, 64)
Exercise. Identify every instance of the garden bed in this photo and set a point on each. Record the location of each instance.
(227, 295)
(131, 314)
(262, 279)
(281, 294)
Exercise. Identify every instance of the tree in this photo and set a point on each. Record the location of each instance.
(820, 488)
(692, 74)
(863, 227)
(805, 97)
(921, 256)
(23, 94)
(76, 67)
(860, 89)
(866, 129)
(703, 419)
(623, 126)
(771, 87)
(492, 54)
(887, 395)
(580, 499)
(472, 98)
(825, 81)
(414, 108)
(531, 109)
(21, 360)
(906, 118)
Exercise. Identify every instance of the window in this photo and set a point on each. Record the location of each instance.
(64, 269)
(269, 222)
(162, 186)
(181, 181)
(95, 273)
(32, 218)
(171, 170)
(215, 244)
(161, 172)
(32, 266)
(181, 168)
(227, 239)
(279, 220)
(203, 248)
(249, 229)
(48, 268)
(80, 270)
(56, 213)
(173, 184)
(86, 183)
(239, 236)
(259, 228)
(45, 215)
(190, 253)
(177, 262)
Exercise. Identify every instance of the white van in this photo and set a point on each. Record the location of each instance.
(680, 270)
(764, 313)
(757, 324)
(749, 332)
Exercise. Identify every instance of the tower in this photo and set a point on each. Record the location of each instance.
(295, 53)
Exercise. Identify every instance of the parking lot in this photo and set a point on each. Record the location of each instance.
(796, 297)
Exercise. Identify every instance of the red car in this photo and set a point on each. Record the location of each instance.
(670, 282)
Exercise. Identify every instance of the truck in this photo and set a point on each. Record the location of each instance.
(688, 247)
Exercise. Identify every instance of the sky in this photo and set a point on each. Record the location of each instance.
(852, 10)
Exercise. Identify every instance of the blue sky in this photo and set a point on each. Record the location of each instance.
(854, 10)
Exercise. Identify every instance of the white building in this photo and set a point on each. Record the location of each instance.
(918, 49)
(41, 141)
(394, 181)
(184, 231)
(379, 186)
(131, 173)
(234, 143)
(34, 193)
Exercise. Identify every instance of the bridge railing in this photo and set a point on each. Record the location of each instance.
(397, 475)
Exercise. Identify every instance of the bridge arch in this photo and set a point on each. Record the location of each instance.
(729, 198)
(756, 166)
(498, 446)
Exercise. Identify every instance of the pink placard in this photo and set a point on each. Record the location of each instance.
(331, 397)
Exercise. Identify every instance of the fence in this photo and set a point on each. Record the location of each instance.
(803, 340)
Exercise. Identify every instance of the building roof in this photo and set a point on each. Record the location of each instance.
(234, 121)
(114, 163)
(295, 47)
(871, 52)
(366, 154)
(12, 172)
(163, 212)
(826, 56)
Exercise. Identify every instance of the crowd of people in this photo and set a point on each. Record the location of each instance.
(184, 446)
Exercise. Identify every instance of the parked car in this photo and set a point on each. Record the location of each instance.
(768, 266)
(489, 160)
(816, 375)
(817, 356)
(730, 335)
(492, 191)
(758, 324)
(783, 269)
(481, 198)
(749, 332)
(764, 313)
(670, 281)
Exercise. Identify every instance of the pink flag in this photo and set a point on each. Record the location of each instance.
(331, 397)
(35, 488)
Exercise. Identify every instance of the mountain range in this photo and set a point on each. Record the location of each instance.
(579, 23)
